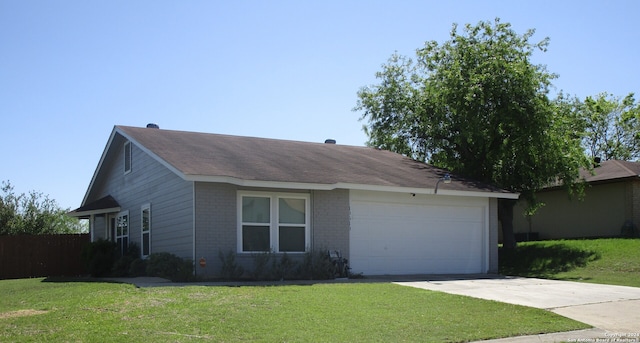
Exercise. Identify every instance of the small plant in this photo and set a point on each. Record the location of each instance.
(316, 265)
(261, 270)
(170, 266)
(283, 269)
(230, 269)
(99, 257)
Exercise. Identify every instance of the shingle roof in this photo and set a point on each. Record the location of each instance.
(102, 205)
(612, 170)
(204, 156)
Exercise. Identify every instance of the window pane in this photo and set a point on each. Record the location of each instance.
(145, 220)
(125, 225)
(127, 157)
(145, 244)
(291, 238)
(256, 210)
(291, 211)
(255, 238)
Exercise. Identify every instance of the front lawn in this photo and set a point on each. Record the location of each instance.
(38, 311)
(614, 261)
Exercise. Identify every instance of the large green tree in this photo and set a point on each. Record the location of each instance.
(33, 213)
(478, 106)
(612, 127)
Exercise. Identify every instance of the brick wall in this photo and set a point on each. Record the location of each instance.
(216, 223)
(331, 220)
(215, 220)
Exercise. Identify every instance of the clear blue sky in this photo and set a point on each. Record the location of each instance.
(70, 70)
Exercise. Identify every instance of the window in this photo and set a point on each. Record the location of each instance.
(122, 231)
(127, 157)
(278, 222)
(146, 230)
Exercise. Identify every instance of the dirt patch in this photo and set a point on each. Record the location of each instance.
(21, 313)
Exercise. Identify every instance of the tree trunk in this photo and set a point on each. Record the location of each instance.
(505, 216)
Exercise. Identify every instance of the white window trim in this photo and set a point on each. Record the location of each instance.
(274, 225)
(128, 235)
(142, 209)
(127, 147)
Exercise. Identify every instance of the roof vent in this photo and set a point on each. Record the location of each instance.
(152, 126)
(330, 141)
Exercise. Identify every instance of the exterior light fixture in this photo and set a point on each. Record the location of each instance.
(446, 179)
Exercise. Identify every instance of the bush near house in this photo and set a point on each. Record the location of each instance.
(102, 259)
(270, 266)
(170, 266)
(99, 257)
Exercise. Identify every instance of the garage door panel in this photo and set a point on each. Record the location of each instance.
(396, 238)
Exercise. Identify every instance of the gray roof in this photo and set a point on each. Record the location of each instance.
(103, 205)
(268, 162)
(612, 170)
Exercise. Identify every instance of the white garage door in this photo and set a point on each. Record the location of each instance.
(399, 234)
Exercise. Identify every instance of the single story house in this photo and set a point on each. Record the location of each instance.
(610, 208)
(198, 194)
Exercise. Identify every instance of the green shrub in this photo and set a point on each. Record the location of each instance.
(123, 265)
(138, 267)
(283, 268)
(170, 266)
(230, 269)
(99, 257)
(261, 266)
(316, 265)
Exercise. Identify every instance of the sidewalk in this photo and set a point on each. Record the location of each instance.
(614, 311)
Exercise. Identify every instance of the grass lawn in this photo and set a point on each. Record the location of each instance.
(37, 311)
(614, 261)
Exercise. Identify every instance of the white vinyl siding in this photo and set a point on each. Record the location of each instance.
(273, 222)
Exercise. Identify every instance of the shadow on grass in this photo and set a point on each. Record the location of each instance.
(544, 261)
(76, 279)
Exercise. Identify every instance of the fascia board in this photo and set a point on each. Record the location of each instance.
(100, 211)
(343, 185)
(153, 155)
(115, 131)
(99, 167)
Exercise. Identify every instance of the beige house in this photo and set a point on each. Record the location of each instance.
(611, 206)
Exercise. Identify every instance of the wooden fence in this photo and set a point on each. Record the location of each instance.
(26, 256)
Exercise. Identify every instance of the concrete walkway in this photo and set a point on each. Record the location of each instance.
(614, 311)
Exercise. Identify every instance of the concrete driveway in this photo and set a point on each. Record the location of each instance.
(614, 309)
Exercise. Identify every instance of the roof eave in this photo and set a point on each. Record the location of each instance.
(99, 167)
(86, 214)
(345, 185)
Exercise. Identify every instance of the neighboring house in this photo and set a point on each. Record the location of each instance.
(198, 194)
(611, 206)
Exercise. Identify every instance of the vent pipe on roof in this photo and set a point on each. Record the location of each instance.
(152, 126)
(596, 161)
(330, 141)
